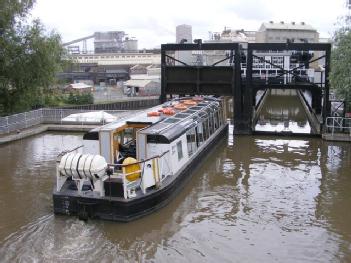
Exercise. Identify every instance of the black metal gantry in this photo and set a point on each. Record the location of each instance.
(212, 79)
(184, 79)
(318, 90)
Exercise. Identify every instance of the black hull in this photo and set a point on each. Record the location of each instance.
(125, 211)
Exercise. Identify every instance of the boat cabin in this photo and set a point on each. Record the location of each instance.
(148, 150)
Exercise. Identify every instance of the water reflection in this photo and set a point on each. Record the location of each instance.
(254, 199)
(282, 112)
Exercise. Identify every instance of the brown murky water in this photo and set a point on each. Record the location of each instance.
(255, 199)
(283, 112)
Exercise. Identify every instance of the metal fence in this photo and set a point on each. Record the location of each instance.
(20, 121)
(338, 125)
(24, 120)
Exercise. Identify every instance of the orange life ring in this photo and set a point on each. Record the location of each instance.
(153, 114)
(180, 106)
(198, 99)
(190, 102)
(168, 111)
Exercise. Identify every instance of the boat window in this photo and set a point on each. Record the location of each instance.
(156, 138)
(94, 135)
(191, 141)
(171, 120)
(216, 120)
(190, 111)
(196, 108)
(220, 116)
(181, 115)
(205, 128)
(128, 135)
(211, 123)
(118, 137)
(180, 150)
(199, 134)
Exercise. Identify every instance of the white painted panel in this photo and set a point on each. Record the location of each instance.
(105, 146)
(91, 146)
(154, 149)
(141, 146)
(176, 162)
(148, 176)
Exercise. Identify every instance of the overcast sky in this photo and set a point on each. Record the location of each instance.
(153, 22)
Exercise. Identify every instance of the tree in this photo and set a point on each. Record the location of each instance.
(29, 57)
(340, 75)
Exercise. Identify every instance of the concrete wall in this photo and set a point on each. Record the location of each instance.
(120, 105)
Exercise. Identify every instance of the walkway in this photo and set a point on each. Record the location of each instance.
(20, 134)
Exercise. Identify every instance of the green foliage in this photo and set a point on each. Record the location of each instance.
(80, 99)
(340, 74)
(29, 57)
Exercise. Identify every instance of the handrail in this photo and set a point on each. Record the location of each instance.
(339, 123)
(188, 117)
(139, 162)
(68, 151)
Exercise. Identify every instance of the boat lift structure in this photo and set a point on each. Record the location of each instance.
(233, 75)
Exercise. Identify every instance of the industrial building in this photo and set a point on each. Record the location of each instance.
(184, 35)
(108, 67)
(104, 42)
(113, 55)
(229, 35)
(184, 32)
(282, 32)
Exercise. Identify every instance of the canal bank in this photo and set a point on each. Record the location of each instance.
(21, 134)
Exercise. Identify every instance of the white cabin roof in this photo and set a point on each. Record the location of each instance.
(141, 83)
(90, 117)
(79, 86)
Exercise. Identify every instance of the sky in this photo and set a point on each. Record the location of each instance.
(153, 22)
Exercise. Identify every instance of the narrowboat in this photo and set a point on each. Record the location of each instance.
(131, 167)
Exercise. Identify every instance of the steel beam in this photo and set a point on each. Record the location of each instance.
(205, 46)
(326, 102)
(163, 97)
(248, 94)
(289, 46)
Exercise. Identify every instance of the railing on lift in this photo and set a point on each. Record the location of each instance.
(338, 125)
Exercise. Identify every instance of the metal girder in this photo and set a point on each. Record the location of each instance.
(203, 46)
(177, 60)
(251, 86)
(201, 80)
(219, 80)
(291, 70)
(77, 40)
(290, 46)
(302, 85)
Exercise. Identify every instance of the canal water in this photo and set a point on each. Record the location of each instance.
(254, 199)
(282, 111)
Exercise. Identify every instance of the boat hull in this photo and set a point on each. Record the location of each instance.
(128, 210)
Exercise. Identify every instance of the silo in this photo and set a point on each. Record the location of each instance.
(184, 32)
(131, 45)
(184, 35)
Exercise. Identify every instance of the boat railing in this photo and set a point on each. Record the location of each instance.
(68, 151)
(338, 125)
(147, 179)
(186, 118)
